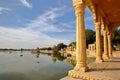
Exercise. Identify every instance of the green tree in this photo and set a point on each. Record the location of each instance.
(49, 48)
(116, 37)
(61, 46)
(90, 36)
(46, 48)
(72, 43)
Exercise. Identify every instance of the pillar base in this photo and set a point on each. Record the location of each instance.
(106, 57)
(94, 75)
(99, 61)
(111, 56)
(81, 69)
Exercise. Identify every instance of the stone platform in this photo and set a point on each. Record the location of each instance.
(108, 70)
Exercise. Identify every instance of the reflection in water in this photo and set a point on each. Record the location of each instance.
(25, 68)
(21, 54)
(35, 66)
(71, 60)
(10, 52)
(54, 56)
(57, 56)
(38, 62)
(37, 55)
(54, 59)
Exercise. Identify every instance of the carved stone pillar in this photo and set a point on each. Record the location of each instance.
(80, 38)
(109, 45)
(105, 55)
(98, 43)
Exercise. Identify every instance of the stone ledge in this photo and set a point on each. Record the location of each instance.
(88, 76)
(69, 78)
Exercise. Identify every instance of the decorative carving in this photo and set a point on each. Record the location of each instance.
(79, 9)
(97, 25)
(87, 76)
(77, 2)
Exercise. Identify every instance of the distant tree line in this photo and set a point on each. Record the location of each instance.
(11, 49)
(46, 48)
(58, 47)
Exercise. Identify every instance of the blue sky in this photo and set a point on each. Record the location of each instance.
(38, 23)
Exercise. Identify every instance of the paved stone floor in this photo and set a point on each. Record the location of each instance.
(108, 70)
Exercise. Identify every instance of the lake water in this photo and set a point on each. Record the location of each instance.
(25, 65)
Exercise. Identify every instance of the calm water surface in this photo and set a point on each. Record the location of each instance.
(25, 65)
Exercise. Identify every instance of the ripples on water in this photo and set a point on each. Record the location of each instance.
(25, 65)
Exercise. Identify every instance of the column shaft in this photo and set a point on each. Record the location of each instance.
(109, 46)
(105, 55)
(98, 43)
(80, 39)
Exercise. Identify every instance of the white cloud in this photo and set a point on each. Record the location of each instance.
(20, 38)
(3, 9)
(69, 26)
(26, 3)
(31, 35)
(16, 34)
(45, 22)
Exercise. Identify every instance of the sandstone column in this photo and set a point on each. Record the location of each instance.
(98, 43)
(80, 38)
(105, 55)
(109, 45)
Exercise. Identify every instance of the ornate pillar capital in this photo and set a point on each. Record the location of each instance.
(105, 32)
(79, 9)
(77, 2)
(108, 33)
(97, 25)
